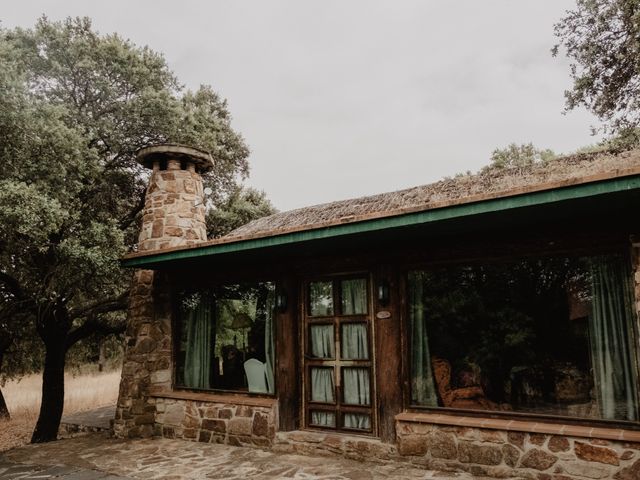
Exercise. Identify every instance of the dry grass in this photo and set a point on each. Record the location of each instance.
(82, 392)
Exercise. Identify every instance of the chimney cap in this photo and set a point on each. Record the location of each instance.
(164, 151)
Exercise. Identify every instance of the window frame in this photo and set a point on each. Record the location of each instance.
(176, 335)
(623, 250)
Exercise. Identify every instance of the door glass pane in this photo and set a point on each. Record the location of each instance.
(323, 419)
(357, 420)
(354, 341)
(356, 386)
(320, 299)
(322, 385)
(321, 343)
(354, 296)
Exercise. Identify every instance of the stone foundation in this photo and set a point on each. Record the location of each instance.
(238, 425)
(502, 454)
(330, 444)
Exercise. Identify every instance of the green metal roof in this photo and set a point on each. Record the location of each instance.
(458, 211)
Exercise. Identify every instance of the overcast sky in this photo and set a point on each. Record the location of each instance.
(346, 98)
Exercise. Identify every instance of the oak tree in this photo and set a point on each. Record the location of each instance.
(75, 106)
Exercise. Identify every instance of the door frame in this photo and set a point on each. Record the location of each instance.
(305, 361)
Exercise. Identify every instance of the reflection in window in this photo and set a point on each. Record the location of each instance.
(354, 296)
(320, 299)
(226, 338)
(548, 335)
(322, 343)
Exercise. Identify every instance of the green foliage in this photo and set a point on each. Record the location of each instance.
(602, 40)
(74, 108)
(242, 206)
(519, 156)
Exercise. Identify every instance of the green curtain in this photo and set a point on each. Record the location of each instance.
(323, 419)
(611, 327)
(199, 323)
(322, 390)
(357, 391)
(354, 296)
(322, 343)
(357, 420)
(269, 342)
(354, 341)
(423, 391)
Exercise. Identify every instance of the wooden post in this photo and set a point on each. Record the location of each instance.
(388, 333)
(287, 362)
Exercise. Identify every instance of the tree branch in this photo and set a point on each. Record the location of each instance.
(91, 326)
(131, 216)
(105, 305)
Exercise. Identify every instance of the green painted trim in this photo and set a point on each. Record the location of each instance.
(543, 197)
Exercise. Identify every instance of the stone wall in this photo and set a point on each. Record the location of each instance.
(239, 425)
(174, 210)
(147, 360)
(502, 454)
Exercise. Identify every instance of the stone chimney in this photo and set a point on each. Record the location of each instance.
(173, 216)
(174, 207)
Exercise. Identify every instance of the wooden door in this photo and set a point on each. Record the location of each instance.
(337, 356)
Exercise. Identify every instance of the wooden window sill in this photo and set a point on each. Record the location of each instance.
(521, 426)
(226, 398)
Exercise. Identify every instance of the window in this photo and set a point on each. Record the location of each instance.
(550, 335)
(226, 339)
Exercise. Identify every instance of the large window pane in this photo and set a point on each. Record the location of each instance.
(549, 335)
(226, 338)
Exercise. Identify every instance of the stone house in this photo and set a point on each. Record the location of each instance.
(487, 323)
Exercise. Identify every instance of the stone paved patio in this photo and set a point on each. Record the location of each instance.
(96, 456)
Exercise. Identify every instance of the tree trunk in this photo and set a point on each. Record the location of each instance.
(102, 355)
(52, 394)
(4, 410)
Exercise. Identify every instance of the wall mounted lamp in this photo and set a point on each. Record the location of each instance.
(281, 302)
(384, 293)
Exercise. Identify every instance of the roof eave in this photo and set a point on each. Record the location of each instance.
(457, 211)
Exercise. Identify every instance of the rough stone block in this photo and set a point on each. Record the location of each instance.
(517, 439)
(240, 426)
(260, 425)
(442, 445)
(538, 459)
(511, 455)
(629, 473)
(588, 471)
(479, 454)
(591, 453)
(215, 425)
(174, 414)
(161, 376)
(225, 413)
(558, 444)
